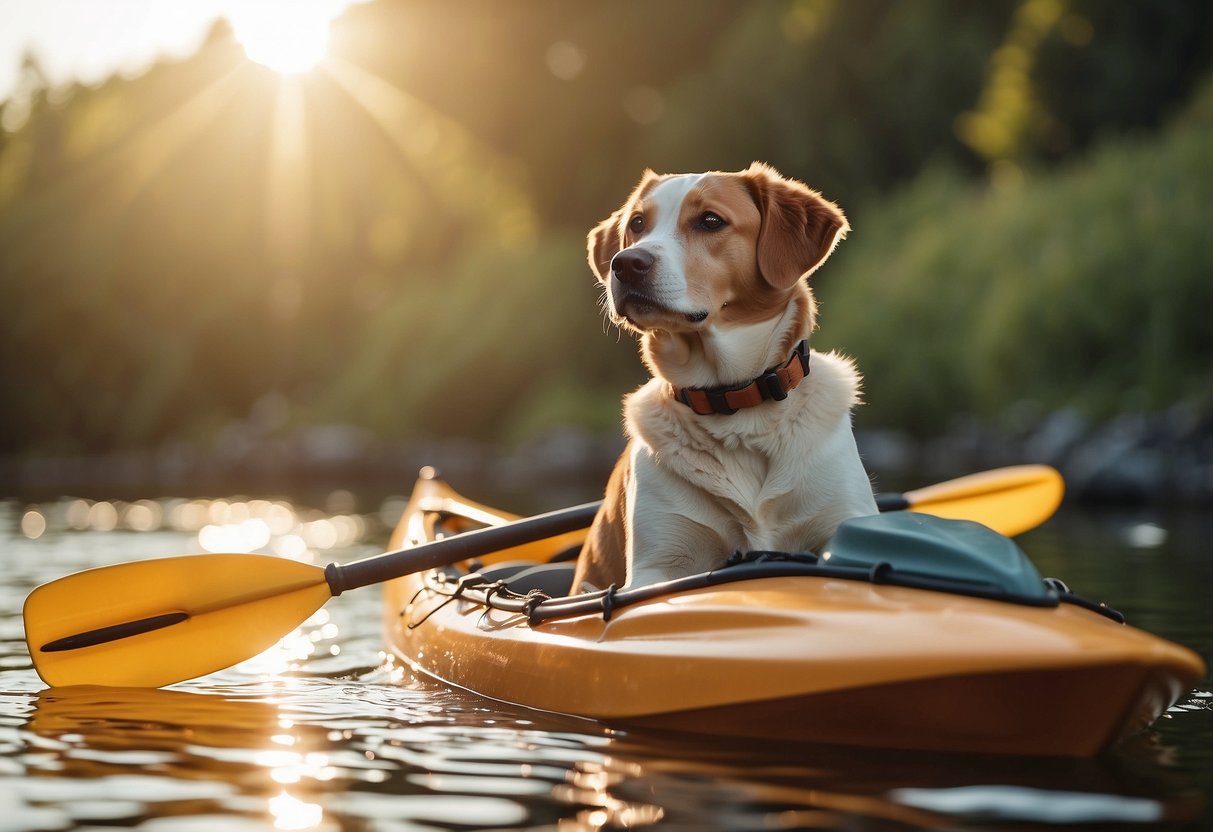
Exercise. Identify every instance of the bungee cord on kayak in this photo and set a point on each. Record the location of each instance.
(509, 588)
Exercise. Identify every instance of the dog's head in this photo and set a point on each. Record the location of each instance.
(688, 252)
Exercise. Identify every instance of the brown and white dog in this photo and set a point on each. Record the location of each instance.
(742, 439)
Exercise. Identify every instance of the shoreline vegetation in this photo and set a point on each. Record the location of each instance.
(1087, 377)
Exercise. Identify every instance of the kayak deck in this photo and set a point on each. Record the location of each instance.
(788, 657)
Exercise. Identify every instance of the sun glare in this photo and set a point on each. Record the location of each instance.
(288, 36)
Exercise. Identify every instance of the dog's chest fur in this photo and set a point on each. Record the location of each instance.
(765, 479)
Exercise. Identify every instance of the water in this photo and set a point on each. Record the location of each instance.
(324, 732)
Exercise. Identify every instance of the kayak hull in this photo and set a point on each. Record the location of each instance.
(1041, 713)
(795, 658)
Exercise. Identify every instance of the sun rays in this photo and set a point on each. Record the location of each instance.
(466, 171)
(288, 36)
(288, 191)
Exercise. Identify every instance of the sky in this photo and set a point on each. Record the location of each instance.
(90, 40)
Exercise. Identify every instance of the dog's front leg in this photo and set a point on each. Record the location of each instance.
(672, 526)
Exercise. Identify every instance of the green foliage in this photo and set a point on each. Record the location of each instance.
(1069, 70)
(1090, 288)
(504, 344)
(854, 96)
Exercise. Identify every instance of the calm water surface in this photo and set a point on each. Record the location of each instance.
(323, 732)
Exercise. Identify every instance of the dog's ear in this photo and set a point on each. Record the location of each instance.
(604, 242)
(799, 227)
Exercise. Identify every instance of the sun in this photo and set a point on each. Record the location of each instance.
(288, 36)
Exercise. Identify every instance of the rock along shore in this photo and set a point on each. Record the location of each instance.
(1132, 459)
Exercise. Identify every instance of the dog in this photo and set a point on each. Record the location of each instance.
(742, 439)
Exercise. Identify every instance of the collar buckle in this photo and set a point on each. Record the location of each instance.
(718, 402)
(770, 386)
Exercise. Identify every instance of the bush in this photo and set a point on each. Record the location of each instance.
(504, 345)
(1091, 287)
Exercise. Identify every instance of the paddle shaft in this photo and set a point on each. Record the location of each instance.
(892, 502)
(449, 550)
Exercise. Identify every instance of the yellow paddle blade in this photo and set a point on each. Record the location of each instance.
(1008, 500)
(155, 622)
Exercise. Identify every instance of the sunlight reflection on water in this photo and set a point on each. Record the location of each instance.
(325, 732)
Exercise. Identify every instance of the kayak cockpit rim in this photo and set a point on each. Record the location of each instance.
(498, 588)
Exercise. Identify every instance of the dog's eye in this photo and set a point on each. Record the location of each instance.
(711, 222)
(636, 224)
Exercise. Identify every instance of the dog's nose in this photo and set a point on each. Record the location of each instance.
(632, 265)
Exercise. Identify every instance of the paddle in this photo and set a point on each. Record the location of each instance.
(1008, 500)
(155, 622)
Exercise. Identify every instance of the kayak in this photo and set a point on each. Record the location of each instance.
(905, 633)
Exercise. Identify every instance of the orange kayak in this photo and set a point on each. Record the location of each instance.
(786, 648)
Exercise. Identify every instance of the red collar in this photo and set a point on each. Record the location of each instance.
(773, 384)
